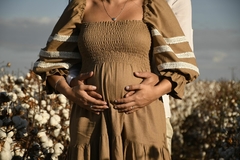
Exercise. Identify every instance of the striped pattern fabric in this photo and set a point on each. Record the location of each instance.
(171, 51)
(185, 59)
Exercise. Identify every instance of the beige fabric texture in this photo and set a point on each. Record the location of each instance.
(113, 56)
(172, 57)
(112, 135)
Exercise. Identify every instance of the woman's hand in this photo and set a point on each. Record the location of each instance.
(86, 95)
(141, 95)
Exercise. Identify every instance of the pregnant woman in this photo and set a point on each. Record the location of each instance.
(115, 39)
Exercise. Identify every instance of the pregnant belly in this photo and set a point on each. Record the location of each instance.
(112, 78)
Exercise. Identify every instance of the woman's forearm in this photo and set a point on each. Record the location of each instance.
(60, 84)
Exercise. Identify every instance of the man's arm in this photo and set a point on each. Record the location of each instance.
(183, 12)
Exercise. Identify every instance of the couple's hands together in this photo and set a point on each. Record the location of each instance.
(138, 95)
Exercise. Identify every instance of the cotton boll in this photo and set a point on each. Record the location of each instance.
(60, 107)
(6, 150)
(51, 150)
(57, 111)
(51, 96)
(56, 132)
(57, 117)
(45, 117)
(66, 123)
(25, 105)
(2, 134)
(58, 149)
(21, 95)
(68, 132)
(9, 111)
(28, 75)
(63, 100)
(39, 119)
(52, 112)
(66, 113)
(20, 79)
(49, 108)
(5, 154)
(35, 87)
(26, 81)
(43, 103)
(5, 79)
(53, 157)
(67, 138)
(47, 144)
(17, 89)
(44, 139)
(32, 93)
(63, 133)
(17, 151)
(55, 120)
(41, 134)
(31, 113)
(58, 126)
(10, 134)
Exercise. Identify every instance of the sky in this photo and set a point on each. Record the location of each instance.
(25, 26)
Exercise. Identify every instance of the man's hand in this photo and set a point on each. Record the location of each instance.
(86, 95)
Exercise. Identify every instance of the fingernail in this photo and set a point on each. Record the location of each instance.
(127, 87)
(94, 87)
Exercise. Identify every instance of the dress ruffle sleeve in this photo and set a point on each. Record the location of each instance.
(172, 53)
(61, 51)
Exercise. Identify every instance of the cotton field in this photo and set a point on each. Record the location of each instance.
(34, 125)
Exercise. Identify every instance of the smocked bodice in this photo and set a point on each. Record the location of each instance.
(127, 41)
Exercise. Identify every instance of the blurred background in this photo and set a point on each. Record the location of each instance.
(26, 24)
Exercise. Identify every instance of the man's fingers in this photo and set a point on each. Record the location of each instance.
(143, 74)
(84, 76)
(97, 108)
(133, 87)
(87, 87)
(94, 94)
(97, 102)
(129, 94)
(148, 77)
(123, 101)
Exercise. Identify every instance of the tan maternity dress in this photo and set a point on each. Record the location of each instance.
(114, 50)
(113, 55)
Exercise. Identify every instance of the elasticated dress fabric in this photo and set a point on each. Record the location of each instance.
(172, 55)
(172, 59)
(114, 50)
